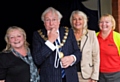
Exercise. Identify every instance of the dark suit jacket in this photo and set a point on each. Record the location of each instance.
(45, 57)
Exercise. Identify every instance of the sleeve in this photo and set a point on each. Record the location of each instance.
(96, 57)
(50, 45)
(76, 51)
(40, 50)
(3, 67)
(74, 60)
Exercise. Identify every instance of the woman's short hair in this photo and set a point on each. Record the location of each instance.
(53, 10)
(10, 29)
(80, 13)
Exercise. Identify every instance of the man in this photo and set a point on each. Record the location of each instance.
(55, 49)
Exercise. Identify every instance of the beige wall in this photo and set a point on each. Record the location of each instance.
(105, 5)
(91, 4)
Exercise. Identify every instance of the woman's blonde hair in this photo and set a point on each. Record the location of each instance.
(10, 29)
(112, 20)
(80, 13)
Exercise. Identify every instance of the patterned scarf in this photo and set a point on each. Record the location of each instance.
(34, 75)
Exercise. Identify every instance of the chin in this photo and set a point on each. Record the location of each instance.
(18, 46)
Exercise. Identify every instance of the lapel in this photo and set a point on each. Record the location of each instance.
(44, 32)
(61, 31)
(83, 41)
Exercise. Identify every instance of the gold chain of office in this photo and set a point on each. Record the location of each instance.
(64, 39)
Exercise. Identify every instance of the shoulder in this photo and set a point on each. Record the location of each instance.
(37, 34)
(116, 33)
(91, 33)
(39, 30)
(6, 53)
(64, 28)
(6, 58)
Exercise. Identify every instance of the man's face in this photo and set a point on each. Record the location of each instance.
(51, 21)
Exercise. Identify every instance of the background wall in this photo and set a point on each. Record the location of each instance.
(28, 14)
(106, 6)
(91, 4)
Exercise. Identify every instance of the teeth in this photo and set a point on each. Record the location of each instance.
(77, 24)
(104, 27)
(16, 42)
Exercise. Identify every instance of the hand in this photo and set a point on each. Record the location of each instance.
(2, 80)
(91, 80)
(52, 35)
(67, 61)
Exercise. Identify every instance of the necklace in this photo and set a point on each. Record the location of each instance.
(79, 42)
(64, 39)
(80, 38)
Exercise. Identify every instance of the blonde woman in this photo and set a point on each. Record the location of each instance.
(16, 63)
(109, 41)
(88, 67)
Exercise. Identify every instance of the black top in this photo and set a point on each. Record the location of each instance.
(78, 64)
(78, 67)
(13, 69)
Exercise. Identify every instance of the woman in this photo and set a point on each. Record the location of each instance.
(16, 63)
(88, 67)
(109, 41)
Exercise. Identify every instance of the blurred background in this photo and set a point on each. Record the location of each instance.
(27, 14)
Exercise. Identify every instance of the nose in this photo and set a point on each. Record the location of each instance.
(15, 38)
(104, 23)
(51, 22)
(77, 20)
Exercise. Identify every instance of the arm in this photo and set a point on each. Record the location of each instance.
(3, 66)
(40, 50)
(76, 51)
(74, 54)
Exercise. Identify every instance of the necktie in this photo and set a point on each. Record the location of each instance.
(62, 69)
